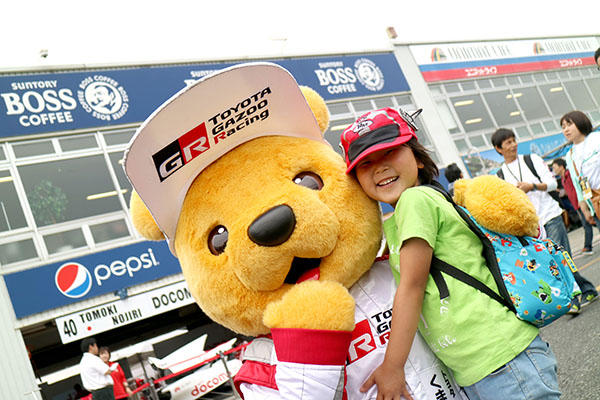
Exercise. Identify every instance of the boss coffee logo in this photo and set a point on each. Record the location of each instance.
(103, 97)
(221, 126)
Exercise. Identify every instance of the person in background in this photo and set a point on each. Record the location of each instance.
(120, 387)
(95, 374)
(583, 163)
(597, 57)
(452, 173)
(559, 167)
(536, 180)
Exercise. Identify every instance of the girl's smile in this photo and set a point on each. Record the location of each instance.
(385, 174)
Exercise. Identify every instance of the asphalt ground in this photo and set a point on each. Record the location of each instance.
(575, 340)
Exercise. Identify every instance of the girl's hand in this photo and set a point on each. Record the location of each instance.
(390, 381)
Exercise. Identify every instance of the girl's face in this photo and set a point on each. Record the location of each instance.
(386, 174)
(104, 356)
(571, 132)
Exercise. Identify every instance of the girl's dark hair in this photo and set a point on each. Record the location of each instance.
(581, 121)
(430, 171)
(104, 349)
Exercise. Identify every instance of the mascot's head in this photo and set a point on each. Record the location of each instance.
(233, 171)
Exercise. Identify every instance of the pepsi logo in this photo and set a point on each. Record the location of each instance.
(73, 280)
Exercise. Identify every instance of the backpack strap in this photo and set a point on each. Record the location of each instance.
(500, 173)
(488, 253)
(442, 266)
(529, 163)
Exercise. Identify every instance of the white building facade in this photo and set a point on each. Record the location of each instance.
(71, 264)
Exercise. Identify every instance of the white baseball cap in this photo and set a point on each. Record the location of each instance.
(203, 122)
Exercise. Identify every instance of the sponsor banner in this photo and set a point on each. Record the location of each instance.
(78, 279)
(38, 103)
(448, 61)
(489, 161)
(115, 314)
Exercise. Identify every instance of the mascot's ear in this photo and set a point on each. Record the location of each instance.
(318, 107)
(143, 220)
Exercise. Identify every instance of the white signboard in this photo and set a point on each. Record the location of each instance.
(488, 50)
(112, 315)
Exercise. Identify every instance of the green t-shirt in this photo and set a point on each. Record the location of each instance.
(470, 332)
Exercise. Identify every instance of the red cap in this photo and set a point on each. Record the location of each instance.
(376, 130)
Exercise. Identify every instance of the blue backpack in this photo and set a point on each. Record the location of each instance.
(534, 276)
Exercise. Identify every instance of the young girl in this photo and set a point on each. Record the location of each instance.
(492, 353)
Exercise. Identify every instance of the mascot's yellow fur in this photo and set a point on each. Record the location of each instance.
(243, 286)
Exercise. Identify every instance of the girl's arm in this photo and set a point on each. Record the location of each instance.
(415, 259)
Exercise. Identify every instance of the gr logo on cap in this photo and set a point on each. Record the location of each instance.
(377, 130)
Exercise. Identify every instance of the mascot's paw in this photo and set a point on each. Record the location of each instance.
(497, 205)
(313, 305)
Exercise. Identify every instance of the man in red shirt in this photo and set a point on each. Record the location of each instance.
(559, 168)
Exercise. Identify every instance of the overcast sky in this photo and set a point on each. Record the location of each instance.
(130, 31)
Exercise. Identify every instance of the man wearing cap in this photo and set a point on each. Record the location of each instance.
(95, 374)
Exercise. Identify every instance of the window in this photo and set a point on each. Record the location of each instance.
(78, 142)
(503, 107)
(477, 141)
(362, 105)
(580, 95)
(33, 148)
(116, 159)
(2, 154)
(64, 241)
(332, 135)
(436, 89)
(338, 108)
(594, 85)
(381, 102)
(404, 100)
(65, 190)
(468, 85)
(523, 132)
(11, 213)
(513, 81)
(109, 231)
(447, 116)
(531, 102)
(472, 113)
(19, 250)
(484, 83)
(120, 137)
(452, 87)
(461, 145)
(526, 78)
(558, 102)
(498, 82)
(549, 126)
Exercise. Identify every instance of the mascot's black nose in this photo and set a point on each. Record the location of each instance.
(273, 227)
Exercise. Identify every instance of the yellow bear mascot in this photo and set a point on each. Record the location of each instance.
(273, 238)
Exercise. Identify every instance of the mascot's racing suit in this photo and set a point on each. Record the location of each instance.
(317, 364)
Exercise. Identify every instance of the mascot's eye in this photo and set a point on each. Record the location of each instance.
(309, 180)
(217, 240)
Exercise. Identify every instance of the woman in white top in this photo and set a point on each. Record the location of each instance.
(583, 159)
(583, 163)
